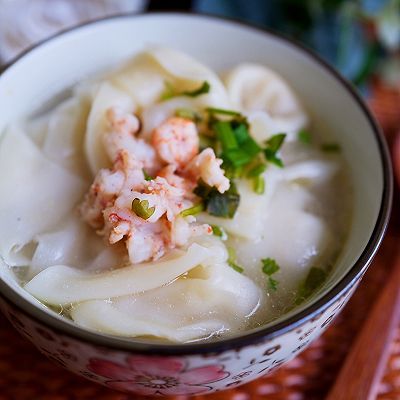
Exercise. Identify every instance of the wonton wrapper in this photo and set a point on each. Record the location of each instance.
(35, 193)
(61, 284)
(217, 299)
(106, 97)
(254, 87)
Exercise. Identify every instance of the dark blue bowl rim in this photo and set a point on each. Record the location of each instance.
(271, 331)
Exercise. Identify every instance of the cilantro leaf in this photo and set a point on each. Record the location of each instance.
(270, 266)
(273, 145)
(273, 283)
(170, 91)
(304, 136)
(222, 205)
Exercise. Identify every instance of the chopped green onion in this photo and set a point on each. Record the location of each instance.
(147, 177)
(196, 209)
(275, 142)
(251, 147)
(315, 278)
(259, 184)
(273, 283)
(304, 136)
(245, 141)
(331, 148)
(222, 205)
(188, 114)
(225, 135)
(270, 266)
(202, 190)
(241, 133)
(272, 158)
(170, 92)
(236, 267)
(257, 170)
(141, 208)
(219, 231)
(238, 157)
(203, 89)
(213, 110)
(232, 260)
(273, 146)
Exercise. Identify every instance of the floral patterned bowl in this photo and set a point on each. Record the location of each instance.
(162, 369)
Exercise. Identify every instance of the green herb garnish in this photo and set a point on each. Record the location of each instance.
(270, 267)
(304, 136)
(170, 92)
(203, 89)
(238, 147)
(141, 208)
(273, 159)
(315, 278)
(232, 260)
(188, 114)
(196, 209)
(331, 148)
(259, 184)
(226, 135)
(273, 145)
(257, 170)
(222, 205)
(219, 231)
(147, 177)
(273, 283)
(221, 111)
(237, 157)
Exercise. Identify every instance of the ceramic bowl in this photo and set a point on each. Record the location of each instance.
(335, 108)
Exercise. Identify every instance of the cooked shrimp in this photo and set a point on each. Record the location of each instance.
(182, 230)
(102, 192)
(144, 240)
(208, 167)
(176, 141)
(176, 180)
(122, 138)
(108, 205)
(147, 242)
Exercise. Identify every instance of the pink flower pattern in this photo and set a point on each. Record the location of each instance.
(157, 375)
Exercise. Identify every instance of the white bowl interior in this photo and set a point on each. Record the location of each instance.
(56, 65)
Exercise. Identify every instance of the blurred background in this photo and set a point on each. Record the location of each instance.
(360, 37)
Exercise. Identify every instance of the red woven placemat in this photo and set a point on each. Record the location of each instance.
(25, 374)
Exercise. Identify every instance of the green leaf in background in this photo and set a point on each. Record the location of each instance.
(356, 36)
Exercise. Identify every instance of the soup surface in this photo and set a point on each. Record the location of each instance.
(163, 201)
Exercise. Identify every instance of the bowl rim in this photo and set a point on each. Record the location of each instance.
(271, 331)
